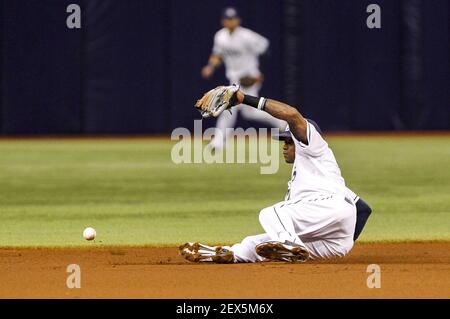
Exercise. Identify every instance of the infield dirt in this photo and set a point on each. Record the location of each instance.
(408, 270)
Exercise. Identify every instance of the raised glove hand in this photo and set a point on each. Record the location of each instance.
(217, 100)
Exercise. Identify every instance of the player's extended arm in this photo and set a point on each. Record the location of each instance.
(280, 110)
(213, 63)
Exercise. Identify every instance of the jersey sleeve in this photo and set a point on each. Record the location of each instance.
(257, 43)
(316, 144)
(217, 47)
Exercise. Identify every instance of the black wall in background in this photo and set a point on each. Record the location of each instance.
(124, 66)
(134, 67)
(350, 77)
(40, 69)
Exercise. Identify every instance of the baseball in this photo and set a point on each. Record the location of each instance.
(89, 233)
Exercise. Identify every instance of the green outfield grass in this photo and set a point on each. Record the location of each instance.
(132, 193)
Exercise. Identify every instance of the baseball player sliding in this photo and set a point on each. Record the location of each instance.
(319, 218)
(239, 48)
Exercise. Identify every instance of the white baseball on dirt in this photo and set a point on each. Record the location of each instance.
(89, 233)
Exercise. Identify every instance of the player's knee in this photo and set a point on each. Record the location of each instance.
(247, 241)
(264, 215)
(252, 241)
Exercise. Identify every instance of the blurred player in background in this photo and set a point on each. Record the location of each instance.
(239, 49)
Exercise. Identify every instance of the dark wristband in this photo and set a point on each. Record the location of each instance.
(256, 102)
(251, 100)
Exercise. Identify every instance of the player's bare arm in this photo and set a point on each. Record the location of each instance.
(217, 100)
(213, 63)
(279, 110)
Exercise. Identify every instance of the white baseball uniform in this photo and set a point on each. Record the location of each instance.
(240, 53)
(318, 212)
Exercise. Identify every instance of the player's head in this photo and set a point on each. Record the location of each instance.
(289, 150)
(289, 145)
(230, 18)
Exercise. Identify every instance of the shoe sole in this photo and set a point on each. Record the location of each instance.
(196, 252)
(277, 251)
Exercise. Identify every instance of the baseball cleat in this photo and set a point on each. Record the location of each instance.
(197, 252)
(287, 251)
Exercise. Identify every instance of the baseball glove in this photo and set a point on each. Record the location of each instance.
(247, 81)
(217, 100)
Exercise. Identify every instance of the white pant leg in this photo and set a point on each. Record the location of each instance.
(326, 249)
(224, 121)
(244, 252)
(324, 223)
(278, 224)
